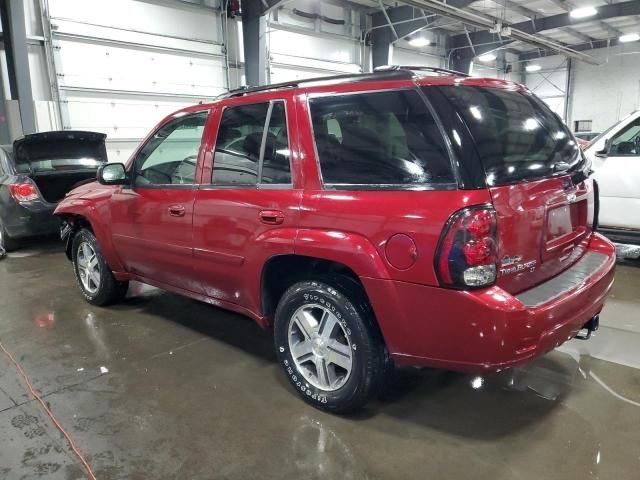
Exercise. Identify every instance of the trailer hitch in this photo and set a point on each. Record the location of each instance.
(591, 326)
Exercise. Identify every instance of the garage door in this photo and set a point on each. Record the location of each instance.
(123, 65)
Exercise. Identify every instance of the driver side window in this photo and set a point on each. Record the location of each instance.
(171, 155)
(627, 141)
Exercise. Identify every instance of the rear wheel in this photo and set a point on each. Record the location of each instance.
(7, 243)
(330, 350)
(95, 279)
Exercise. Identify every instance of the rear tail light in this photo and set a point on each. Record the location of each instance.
(468, 253)
(24, 192)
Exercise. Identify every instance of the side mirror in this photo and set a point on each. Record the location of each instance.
(112, 174)
(604, 153)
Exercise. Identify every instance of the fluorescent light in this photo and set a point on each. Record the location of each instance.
(533, 68)
(583, 12)
(531, 124)
(487, 57)
(629, 37)
(475, 111)
(418, 42)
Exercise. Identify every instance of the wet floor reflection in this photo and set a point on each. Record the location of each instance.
(188, 389)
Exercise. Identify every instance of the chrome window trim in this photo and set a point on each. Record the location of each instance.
(391, 186)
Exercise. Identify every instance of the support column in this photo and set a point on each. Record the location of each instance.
(15, 45)
(5, 135)
(254, 36)
(382, 39)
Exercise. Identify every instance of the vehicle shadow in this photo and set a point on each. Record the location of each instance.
(43, 245)
(221, 325)
(470, 406)
(486, 407)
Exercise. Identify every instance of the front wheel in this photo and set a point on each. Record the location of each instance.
(331, 351)
(95, 279)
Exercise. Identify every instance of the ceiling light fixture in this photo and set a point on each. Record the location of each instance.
(629, 37)
(583, 12)
(487, 57)
(533, 68)
(419, 42)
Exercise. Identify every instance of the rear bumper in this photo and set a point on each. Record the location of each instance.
(484, 330)
(27, 220)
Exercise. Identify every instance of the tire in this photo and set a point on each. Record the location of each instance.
(101, 288)
(7, 243)
(319, 323)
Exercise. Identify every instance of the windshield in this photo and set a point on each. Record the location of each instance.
(516, 135)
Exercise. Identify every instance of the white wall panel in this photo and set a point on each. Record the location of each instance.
(603, 93)
(123, 65)
(403, 56)
(609, 92)
(305, 46)
(550, 83)
(300, 47)
(336, 13)
(160, 19)
(295, 55)
(120, 116)
(98, 66)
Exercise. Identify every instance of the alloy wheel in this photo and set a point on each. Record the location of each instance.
(88, 267)
(320, 347)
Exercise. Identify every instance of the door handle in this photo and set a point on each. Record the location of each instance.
(176, 211)
(271, 217)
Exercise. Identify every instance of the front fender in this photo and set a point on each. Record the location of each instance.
(98, 216)
(353, 250)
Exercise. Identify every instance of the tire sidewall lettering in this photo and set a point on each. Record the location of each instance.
(284, 354)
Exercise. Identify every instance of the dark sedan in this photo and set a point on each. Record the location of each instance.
(35, 174)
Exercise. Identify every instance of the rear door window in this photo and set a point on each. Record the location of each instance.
(252, 146)
(516, 135)
(383, 139)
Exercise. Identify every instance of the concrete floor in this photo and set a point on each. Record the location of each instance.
(192, 392)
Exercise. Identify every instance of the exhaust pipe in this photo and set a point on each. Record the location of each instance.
(591, 326)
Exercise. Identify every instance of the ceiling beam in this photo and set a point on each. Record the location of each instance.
(612, 31)
(585, 47)
(542, 24)
(511, 31)
(577, 34)
(568, 6)
(526, 12)
(407, 20)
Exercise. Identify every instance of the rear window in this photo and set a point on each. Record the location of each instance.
(379, 139)
(516, 135)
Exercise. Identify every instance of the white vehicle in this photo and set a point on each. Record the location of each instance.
(615, 157)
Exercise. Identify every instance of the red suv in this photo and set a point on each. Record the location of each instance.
(405, 217)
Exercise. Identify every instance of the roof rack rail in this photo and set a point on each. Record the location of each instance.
(238, 92)
(390, 74)
(391, 68)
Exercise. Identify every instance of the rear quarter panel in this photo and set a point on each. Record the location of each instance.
(357, 226)
(353, 226)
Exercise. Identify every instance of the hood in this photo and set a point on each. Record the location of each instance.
(63, 146)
